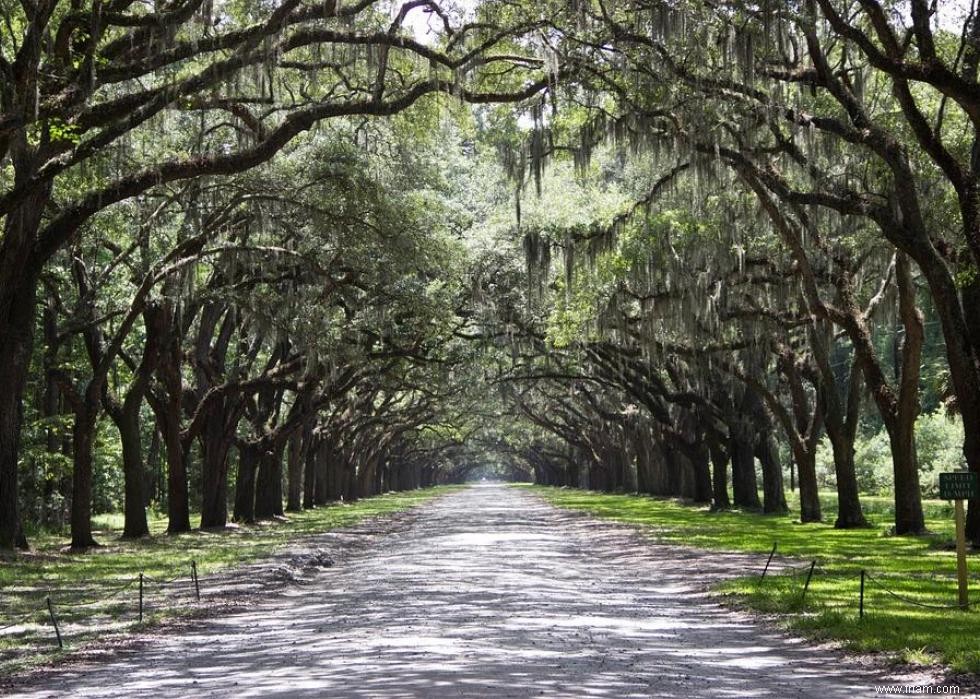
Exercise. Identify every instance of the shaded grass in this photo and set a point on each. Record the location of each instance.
(74, 578)
(919, 568)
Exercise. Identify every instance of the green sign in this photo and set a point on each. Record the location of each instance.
(958, 485)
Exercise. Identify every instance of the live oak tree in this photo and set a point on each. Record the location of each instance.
(828, 92)
(780, 99)
(86, 88)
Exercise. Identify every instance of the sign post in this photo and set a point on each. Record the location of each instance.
(959, 486)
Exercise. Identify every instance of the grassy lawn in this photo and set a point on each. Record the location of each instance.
(922, 569)
(73, 578)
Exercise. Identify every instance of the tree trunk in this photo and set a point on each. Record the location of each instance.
(840, 423)
(774, 497)
(324, 478)
(248, 465)
(806, 466)
(310, 475)
(127, 421)
(126, 416)
(11, 392)
(153, 490)
(338, 475)
(294, 471)
(614, 464)
(849, 513)
(365, 477)
(214, 473)
(178, 501)
(381, 478)
(573, 476)
(83, 436)
(719, 480)
(756, 427)
(674, 481)
(642, 448)
(16, 344)
(702, 474)
(167, 405)
(222, 416)
(349, 478)
(268, 489)
(909, 518)
(51, 407)
(745, 486)
(19, 272)
(658, 468)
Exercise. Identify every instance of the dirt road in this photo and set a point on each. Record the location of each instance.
(488, 592)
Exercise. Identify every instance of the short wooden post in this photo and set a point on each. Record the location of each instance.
(806, 585)
(959, 486)
(54, 623)
(961, 579)
(768, 561)
(141, 598)
(861, 598)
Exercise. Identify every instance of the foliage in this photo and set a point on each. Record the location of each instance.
(939, 439)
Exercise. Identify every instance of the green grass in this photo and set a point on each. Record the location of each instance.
(920, 568)
(27, 578)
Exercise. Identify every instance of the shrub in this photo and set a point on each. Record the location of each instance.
(939, 443)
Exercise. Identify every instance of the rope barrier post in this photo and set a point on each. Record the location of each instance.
(806, 585)
(768, 561)
(54, 623)
(861, 598)
(197, 585)
(141, 598)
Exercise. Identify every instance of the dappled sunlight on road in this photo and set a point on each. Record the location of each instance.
(486, 593)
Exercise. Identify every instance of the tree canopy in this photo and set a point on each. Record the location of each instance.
(256, 256)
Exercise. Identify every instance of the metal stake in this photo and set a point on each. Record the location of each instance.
(54, 622)
(771, 554)
(806, 585)
(197, 584)
(861, 599)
